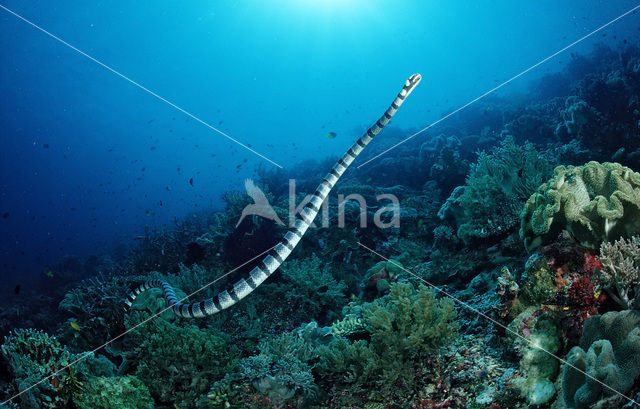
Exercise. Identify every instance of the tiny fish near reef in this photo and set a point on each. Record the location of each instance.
(281, 251)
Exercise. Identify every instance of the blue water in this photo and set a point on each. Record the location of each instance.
(87, 159)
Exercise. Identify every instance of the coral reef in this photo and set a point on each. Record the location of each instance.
(337, 327)
(45, 373)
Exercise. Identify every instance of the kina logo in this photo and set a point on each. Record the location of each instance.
(260, 206)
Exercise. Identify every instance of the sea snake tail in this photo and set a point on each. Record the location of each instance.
(281, 251)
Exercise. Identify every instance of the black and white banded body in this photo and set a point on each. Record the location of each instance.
(281, 251)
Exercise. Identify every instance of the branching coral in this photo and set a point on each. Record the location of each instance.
(282, 369)
(33, 356)
(620, 274)
(311, 291)
(178, 364)
(406, 326)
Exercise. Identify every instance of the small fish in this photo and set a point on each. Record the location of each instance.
(330, 135)
(46, 146)
(420, 222)
(150, 120)
(5, 215)
(167, 188)
(48, 273)
(191, 181)
(75, 326)
(16, 290)
(147, 212)
(153, 148)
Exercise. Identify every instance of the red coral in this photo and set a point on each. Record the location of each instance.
(591, 263)
(581, 292)
(584, 302)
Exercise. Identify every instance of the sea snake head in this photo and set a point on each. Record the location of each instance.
(412, 82)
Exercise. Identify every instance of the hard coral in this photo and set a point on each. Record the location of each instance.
(620, 273)
(609, 352)
(35, 355)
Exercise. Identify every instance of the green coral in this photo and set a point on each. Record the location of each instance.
(304, 290)
(35, 355)
(311, 291)
(538, 368)
(539, 286)
(404, 327)
(595, 202)
(609, 353)
(283, 367)
(114, 392)
(489, 203)
(177, 363)
(350, 325)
